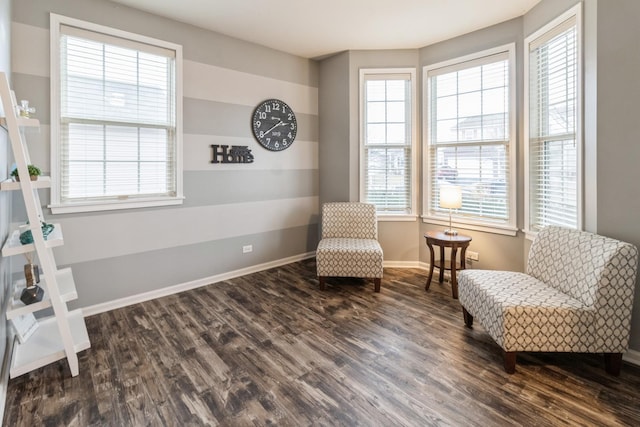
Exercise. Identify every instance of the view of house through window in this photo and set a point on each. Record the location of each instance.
(469, 136)
(387, 140)
(553, 147)
(117, 129)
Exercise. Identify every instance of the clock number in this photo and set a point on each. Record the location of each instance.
(258, 123)
(289, 135)
(261, 134)
(290, 116)
(262, 115)
(284, 111)
(284, 142)
(276, 106)
(276, 145)
(293, 126)
(267, 109)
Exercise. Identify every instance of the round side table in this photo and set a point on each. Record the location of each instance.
(459, 241)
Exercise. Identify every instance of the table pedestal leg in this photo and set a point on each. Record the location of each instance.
(431, 262)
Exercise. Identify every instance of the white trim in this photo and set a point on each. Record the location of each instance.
(4, 373)
(486, 227)
(528, 41)
(632, 356)
(170, 290)
(507, 227)
(397, 218)
(391, 73)
(140, 42)
(114, 205)
(402, 264)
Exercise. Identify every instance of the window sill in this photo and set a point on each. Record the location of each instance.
(397, 218)
(114, 205)
(486, 227)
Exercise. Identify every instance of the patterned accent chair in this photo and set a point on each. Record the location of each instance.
(349, 245)
(576, 296)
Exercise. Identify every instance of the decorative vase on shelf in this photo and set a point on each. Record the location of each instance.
(32, 292)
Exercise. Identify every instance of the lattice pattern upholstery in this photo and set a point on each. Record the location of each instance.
(349, 245)
(577, 295)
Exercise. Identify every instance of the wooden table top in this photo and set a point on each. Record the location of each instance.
(439, 236)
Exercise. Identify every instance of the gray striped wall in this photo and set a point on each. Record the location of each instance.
(271, 204)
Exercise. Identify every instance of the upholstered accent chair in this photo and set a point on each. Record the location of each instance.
(349, 243)
(576, 296)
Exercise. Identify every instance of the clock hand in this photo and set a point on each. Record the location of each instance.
(273, 127)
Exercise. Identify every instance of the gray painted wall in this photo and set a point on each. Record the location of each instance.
(618, 149)
(271, 204)
(5, 198)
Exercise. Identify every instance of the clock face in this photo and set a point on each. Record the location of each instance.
(274, 125)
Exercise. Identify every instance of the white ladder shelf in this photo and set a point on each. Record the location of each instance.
(64, 334)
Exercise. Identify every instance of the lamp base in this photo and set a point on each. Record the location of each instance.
(450, 232)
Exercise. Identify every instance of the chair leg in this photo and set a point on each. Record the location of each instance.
(510, 362)
(323, 286)
(468, 318)
(613, 363)
(376, 284)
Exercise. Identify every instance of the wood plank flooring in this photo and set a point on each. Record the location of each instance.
(271, 349)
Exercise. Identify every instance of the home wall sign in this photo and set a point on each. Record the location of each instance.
(233, 154)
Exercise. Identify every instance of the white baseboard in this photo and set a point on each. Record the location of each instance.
(632, 356)
(174, 289)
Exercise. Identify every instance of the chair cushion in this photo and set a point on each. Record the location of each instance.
(521, 313)
(346, 257)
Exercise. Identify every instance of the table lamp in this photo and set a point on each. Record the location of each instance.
(450, 198)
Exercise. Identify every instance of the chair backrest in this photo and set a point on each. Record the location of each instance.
(349, 220)
(586, 266)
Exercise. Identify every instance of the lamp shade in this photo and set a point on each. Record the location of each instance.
(450, 196)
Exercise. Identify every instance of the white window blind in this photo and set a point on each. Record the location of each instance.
(469, 137)
(117, 129)
(387, 142)
(553, 151)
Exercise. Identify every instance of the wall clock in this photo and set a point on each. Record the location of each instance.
(274, 125)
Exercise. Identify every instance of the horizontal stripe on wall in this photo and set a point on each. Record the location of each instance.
(202, 188)
(217, 118)
(197, 154)
(99, 235)
(109, 279)
(201, 81)
(199, 45)
(212, 83)
(207, 188)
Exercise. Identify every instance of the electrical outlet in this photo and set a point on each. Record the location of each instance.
(473, 256)
(246, 249)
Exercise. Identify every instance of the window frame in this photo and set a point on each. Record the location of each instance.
(574, 12)
(413, 102)
(508, 227)
(56, 205)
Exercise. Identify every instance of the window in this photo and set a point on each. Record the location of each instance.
(553, 145)
(116, 119)
(469, 139)
(388, 167)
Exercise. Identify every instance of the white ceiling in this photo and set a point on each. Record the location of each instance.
(313, 28)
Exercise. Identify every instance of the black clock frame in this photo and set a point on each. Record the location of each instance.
(274, 125)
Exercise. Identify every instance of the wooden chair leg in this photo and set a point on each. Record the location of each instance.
(468, 318)
(323, 286)
(510, 362)
(376, 284)
(613, 363)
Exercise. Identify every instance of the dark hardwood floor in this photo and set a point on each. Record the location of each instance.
(271, 349)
